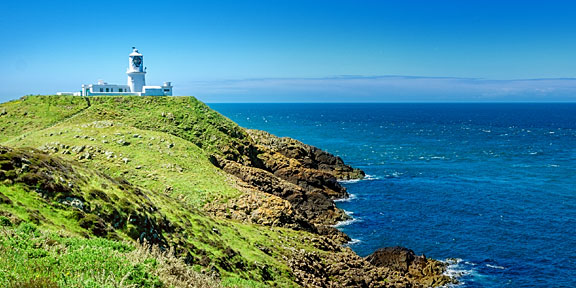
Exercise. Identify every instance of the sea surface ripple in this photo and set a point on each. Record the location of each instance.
(491, 186)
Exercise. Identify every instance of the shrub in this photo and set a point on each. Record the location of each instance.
(27, 228)
(4, 221)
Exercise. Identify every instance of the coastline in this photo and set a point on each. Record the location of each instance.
(410, 269)
(192, 181)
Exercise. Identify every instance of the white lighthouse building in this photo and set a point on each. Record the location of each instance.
(136, 72)
(136, 82)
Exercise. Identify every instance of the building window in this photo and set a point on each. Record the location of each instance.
(119, 89)
(107, 90)
(166, 90)
(101, 89)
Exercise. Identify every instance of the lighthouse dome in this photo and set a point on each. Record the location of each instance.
(135, 52)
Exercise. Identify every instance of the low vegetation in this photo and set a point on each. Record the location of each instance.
(106, 171)
(36, 258)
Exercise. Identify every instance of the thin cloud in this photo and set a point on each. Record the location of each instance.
(349, 88)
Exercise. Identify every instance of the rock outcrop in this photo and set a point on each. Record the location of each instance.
(398, 258)
(291, 184)
(427, 272)
(309, 156)
(254, 206)
(341, 267)
(303, 175)
(314, 206)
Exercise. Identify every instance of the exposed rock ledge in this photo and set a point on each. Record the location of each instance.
(388, 267)
(303, 176)
(308, 156)
(291, 184)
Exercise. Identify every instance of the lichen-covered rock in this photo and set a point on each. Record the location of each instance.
(427, 272)
(315, 206)
(290, 184)
(341, 267)
(309, 156)
(397, 258)
(261, 208)
(303, 175)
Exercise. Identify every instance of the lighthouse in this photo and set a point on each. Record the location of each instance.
(136, 71)
(136, 82)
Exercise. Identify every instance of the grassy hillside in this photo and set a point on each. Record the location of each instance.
(165, 192)
(35, 113)
(161, 143)
(35, 258)
(128, 169)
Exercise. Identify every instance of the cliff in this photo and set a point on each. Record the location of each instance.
(226, 206)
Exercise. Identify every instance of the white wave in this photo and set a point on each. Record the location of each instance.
(345, 223)
(350, 181)
(394, 174)
(366, 178)
(353, 242)
(437, 157)
(350, 198)
(496, 267)
(458, 269)
(371, 177)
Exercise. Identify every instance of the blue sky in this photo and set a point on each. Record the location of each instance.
(297, 50)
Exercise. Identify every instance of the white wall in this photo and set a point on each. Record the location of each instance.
(136, 81)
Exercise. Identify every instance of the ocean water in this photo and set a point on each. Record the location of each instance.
(490, 186)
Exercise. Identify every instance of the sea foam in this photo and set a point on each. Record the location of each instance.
(350, 198)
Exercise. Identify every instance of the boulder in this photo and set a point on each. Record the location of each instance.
(396, 258)
(422, 271)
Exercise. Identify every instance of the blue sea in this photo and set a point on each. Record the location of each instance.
(490, 186)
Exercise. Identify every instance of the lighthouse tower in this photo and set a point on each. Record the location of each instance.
(136, 72)
(136, 82)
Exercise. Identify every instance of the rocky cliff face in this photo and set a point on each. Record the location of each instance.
(293, 185)
(301, 177)
(307, 156)
(344, 268)
(426, 272)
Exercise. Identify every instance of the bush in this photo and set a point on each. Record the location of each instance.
(5, 221)
(27, 228)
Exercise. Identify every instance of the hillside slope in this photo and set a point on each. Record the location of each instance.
(244, 207)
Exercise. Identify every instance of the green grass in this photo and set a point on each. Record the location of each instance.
(29, 208)
(184, 117)
(31, 113)
(232, 248)
(132, 161)
(160, 162)
(32, 258)
(184, 170)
